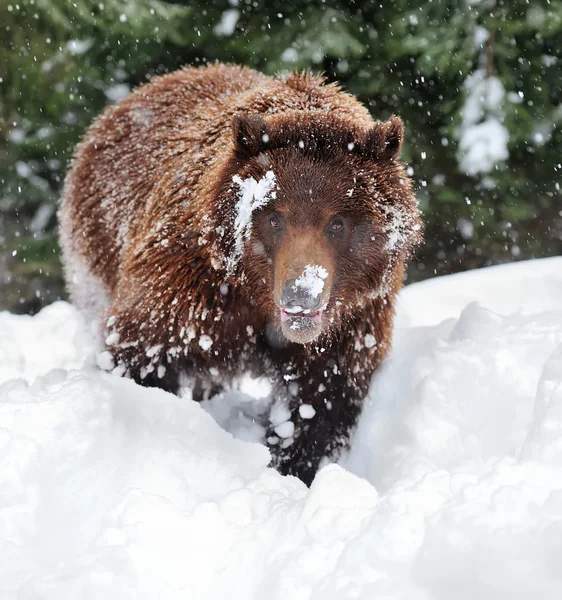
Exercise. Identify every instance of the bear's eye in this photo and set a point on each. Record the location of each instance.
(336, 225)
(274, 222)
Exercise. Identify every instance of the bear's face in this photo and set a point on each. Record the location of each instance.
(323, 216)
(321, 242)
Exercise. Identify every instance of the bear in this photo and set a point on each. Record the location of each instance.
(218, 221)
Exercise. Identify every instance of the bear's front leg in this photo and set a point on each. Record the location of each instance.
(313, 416)
(135, 352)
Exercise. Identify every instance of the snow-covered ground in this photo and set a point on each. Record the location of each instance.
(112, 491)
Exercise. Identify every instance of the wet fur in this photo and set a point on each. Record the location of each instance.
(149, 208)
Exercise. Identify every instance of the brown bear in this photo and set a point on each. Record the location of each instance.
(219, 222)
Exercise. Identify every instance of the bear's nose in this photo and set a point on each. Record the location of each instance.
(296, 297)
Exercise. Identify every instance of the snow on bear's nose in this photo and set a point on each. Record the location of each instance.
(296, 299)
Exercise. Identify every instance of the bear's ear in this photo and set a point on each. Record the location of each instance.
(250, 133)
(384, 140)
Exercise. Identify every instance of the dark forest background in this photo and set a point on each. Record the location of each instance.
(477, 82)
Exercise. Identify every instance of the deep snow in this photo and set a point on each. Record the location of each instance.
(109, 490)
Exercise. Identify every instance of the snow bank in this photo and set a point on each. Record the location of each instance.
(109, 490)
(525, 287)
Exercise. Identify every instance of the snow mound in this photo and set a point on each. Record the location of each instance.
(452, 489)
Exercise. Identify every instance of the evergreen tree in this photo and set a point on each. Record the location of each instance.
(477, 83)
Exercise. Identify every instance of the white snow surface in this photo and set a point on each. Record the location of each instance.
(452, 488)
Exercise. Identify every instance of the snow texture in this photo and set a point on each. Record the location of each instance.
(78, 47)
(483, 146)
(400, 226)
(227, 25)
(117, 92)
(452, 488)
(252, 195)
(311, 280)
(89, 291)
(483, 138)
(205, 342)
(290, 55)
(306, 411)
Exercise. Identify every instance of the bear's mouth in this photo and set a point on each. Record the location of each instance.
(301, 326)
(297, 312)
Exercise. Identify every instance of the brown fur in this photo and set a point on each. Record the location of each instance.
(148, 215)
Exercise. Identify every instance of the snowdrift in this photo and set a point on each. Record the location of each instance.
(452, 489)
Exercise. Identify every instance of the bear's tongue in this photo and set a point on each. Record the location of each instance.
(297, 312)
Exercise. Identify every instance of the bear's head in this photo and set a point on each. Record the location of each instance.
(313, 216)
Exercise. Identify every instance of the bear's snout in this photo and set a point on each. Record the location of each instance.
(296, 298)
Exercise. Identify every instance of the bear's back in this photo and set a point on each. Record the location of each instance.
(124, 154)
